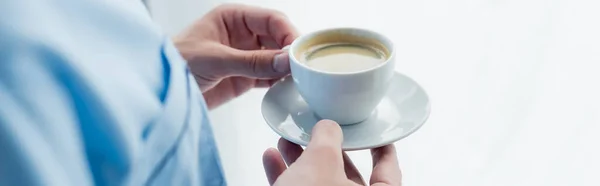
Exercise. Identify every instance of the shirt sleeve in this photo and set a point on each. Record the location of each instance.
(46, 48)
(39, 140)
(92, 93)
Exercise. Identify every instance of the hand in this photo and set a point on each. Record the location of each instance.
(324, 164)
(234, 48)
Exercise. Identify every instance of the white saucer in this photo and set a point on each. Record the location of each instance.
(403, 110)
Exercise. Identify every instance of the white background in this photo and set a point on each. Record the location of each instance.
(514, 84)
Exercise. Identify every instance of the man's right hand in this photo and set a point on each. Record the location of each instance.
(324, 164)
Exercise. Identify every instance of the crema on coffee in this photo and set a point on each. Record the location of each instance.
(343, 57)
(335, 52)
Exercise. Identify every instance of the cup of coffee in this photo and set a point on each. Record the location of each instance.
(342, 73)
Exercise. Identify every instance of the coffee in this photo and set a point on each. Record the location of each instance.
(342, 52)
(343, 57)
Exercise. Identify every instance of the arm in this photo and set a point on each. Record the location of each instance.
(38, 133)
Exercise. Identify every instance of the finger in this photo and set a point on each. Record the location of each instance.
(351, 170)
(267, 22)
(289, 151)
(268, 42)
(263, 83)
(266, 83)
(325, 146)
(227, 89)
(264, 22)
(243, 23)
(385, 166)
(258, 63)
(273, 164)
(219, 94)
(326, 133)
(273, 81)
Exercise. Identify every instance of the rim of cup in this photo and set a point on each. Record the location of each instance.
(379, 37)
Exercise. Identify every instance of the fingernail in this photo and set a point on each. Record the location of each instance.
(329, 122)
(281, 62)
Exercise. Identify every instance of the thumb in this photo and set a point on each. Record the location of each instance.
(325, 146)
(327, 133)
(260, 63)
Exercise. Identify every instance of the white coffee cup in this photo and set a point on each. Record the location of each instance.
(344, 97)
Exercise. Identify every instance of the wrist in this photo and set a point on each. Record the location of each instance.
(184, 48)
